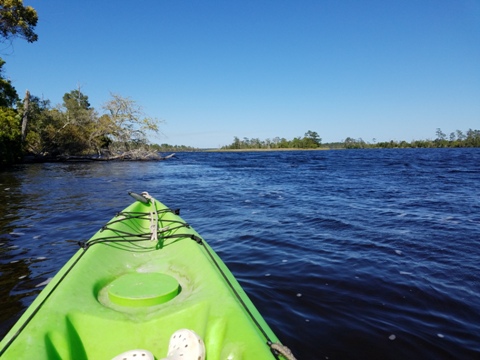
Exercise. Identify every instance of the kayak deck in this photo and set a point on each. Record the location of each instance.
(106, 301)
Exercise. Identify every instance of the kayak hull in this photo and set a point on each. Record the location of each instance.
(125, 291)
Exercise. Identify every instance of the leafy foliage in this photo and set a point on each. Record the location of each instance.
(74, 128)
(17, 20)
(172, 148)
(8, 94)
(10, 148)
(311, 140)
(455, 139)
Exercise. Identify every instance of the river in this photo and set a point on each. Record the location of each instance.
(348, 254)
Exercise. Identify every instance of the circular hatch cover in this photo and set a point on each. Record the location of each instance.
(143, 289)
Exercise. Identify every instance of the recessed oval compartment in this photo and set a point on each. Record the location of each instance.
(143, 289)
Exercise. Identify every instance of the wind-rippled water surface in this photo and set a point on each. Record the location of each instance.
(369, 254)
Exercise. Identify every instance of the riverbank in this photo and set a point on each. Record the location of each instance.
(266, 150)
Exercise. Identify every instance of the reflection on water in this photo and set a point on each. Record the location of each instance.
(11, 250)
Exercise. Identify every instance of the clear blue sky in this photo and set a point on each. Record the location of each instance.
(213, 70)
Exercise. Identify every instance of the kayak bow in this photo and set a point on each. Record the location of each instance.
(142, 277)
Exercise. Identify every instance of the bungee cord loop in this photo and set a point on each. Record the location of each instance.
(153, 216)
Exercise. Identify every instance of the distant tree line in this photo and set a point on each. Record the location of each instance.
(311, 140)
(457, 139)
(172, 148)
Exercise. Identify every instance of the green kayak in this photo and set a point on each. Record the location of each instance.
(145, 286)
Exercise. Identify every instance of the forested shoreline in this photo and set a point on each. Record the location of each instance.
(32, 129)
(311, 140)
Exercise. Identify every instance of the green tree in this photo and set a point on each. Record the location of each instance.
(41, 129)
(283, 143)
(75, 128)
(17, 20)
(350, 143)
(10, 139)
(8, 94)
(69, 126)
(236, 143)
(473, 138)
(296, 143)
(75, 99)
(99, 133)
(440, 134)
(93, 132)
(64, 130)
(77, 109)
(10, 145)
(313, 139)
(441, 140)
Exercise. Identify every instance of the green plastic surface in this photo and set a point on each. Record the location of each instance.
(76, 316)
(143, 289)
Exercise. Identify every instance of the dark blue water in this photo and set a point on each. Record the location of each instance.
(368, 254)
